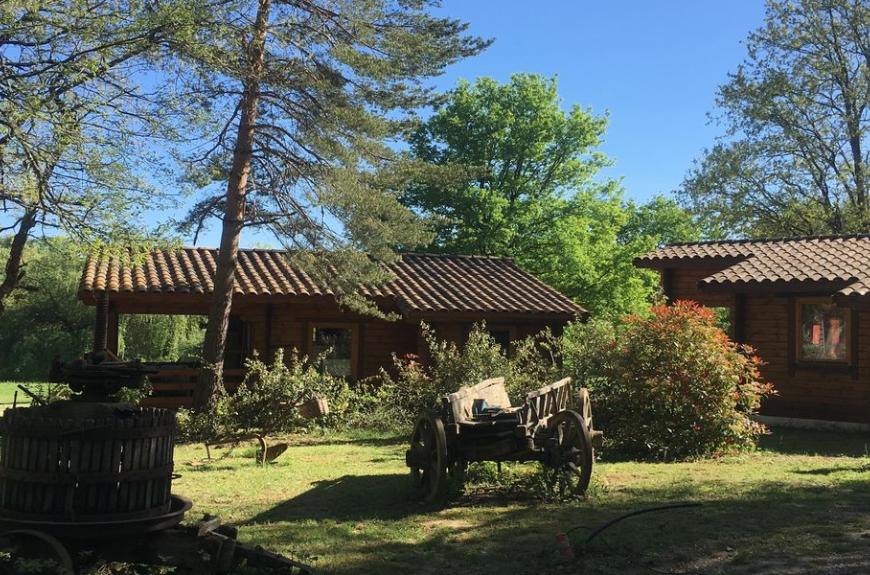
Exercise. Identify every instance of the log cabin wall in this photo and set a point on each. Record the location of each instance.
(682, 284)
(828, 392)
(377, 340)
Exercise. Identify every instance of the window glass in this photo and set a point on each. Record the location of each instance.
(338, 342)
(503, 338)
(824, 334)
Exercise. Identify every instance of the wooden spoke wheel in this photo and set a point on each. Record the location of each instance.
(568, 465)
(427, 458)
(584, 408)
(38, 546)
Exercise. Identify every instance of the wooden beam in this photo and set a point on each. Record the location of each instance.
(739, 327)
(791, 336)
(668, 284)
(101, 323)
(112, 330)
(855, 351)
(268, 336)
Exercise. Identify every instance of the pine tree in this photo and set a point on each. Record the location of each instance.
(315, 92)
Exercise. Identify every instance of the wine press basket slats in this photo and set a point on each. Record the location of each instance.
(80, 469)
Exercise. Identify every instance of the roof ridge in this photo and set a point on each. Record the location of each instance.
(739, 241)
(416, 254)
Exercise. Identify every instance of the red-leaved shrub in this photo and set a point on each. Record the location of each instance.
(669, 384)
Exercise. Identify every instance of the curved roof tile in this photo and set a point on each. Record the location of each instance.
(422, 282)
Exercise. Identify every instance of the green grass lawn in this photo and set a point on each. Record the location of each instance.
(7, 393)
(800, 504)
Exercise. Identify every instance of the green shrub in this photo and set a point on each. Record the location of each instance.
(266, 401)
(535, 362)
(669, 384)
(416, 387)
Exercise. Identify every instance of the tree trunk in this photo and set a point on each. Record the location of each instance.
(13, 272)
(211, 378)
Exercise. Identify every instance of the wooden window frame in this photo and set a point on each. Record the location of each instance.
(849, 332)
(354, 341)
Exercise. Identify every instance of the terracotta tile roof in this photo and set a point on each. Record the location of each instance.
(423, 282)
(835, 260)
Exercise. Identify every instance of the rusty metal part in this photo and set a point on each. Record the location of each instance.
(96, 379)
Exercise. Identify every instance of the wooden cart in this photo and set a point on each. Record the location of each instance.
(478, 423)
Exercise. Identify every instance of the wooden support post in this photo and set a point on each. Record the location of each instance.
(112, 330)
(791, 336)
(739, 319)
(101, 322)
(268, 327)
(854, 352)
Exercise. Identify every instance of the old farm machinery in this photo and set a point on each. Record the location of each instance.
(91, 477)
(478, 423)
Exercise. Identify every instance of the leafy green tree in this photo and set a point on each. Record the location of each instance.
(510, 159)
(513, 174)
(161, 337)
(75, 127)
(305, 97)
(44, 318)
(794, 156)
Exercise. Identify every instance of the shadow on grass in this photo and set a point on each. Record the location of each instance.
(824, 443)
(372, 525)
(349, 498)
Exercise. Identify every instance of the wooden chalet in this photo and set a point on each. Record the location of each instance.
(277, 306)
(803, 303)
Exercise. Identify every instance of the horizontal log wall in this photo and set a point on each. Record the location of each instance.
(289, 326)
(828, 392)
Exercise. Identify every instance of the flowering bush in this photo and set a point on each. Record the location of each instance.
(669, 384)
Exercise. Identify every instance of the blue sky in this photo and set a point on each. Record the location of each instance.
(653, 65)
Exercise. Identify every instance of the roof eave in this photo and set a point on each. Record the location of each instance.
(660, 263)
(775, 287)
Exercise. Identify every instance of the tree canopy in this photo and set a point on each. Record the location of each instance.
(76, 126)
(794, 156)
(517, 175)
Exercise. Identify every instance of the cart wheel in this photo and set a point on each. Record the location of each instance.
(39, 546)
(584, 407)
(569, 462)
(428, 458)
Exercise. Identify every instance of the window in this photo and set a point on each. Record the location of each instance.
(823, 331)
(338, 342)
(503, 338)
(238, 343)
